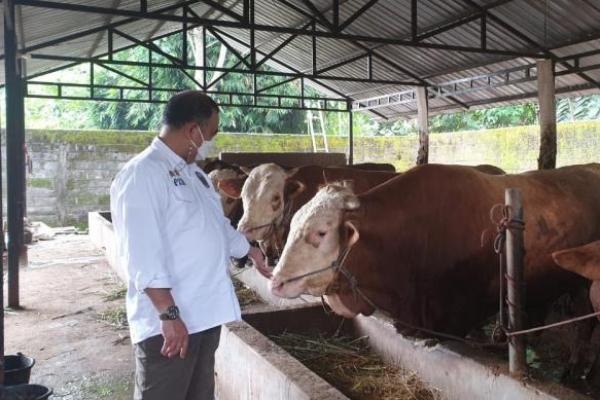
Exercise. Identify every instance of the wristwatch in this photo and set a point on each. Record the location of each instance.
(171, 314)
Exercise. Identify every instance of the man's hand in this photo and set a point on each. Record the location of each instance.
(259, 262)
(176, 338)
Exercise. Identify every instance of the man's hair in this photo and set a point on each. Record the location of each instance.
(189, 106)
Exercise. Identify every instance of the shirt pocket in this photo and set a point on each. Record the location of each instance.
(183, 193)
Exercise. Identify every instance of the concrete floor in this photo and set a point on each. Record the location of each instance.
(63, 295)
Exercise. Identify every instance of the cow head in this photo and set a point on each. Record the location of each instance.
(318, 235)
(264, 194)
(228, 182)
(585, 261)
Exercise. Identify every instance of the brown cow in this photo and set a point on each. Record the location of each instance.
(585, 261)
(418, 253)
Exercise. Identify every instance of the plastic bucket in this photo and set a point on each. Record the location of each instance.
(25, 392)
(17, 369)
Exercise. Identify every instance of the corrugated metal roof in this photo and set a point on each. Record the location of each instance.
(566, 27)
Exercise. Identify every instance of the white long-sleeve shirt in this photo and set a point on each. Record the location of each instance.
(171, 233)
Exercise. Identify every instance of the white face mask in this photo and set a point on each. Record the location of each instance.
(204, 149)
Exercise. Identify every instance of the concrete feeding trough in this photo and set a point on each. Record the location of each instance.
(249, 365)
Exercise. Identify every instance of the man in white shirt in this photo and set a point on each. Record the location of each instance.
(176, 244)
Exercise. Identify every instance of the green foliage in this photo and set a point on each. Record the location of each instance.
(40, 183)
(515, 115)
(578, 108)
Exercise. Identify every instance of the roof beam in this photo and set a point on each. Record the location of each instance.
(281, 46)
(289, 67)
(304, 13)
(228, 46)
(510, 76)
(102, 28)
(517, 33)
(179, 64)
(463, 20)
(115, 4)
(183, 67)
(269, 28)
(317, 14)
(355, 16)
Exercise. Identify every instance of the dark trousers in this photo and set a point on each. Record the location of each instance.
(193, 378)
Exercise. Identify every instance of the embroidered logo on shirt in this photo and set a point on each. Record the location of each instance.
(177, 180)
(202, 179)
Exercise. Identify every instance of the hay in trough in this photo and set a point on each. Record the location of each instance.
(349, 365)
(245, 295)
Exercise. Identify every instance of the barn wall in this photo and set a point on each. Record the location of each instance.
(72, 171)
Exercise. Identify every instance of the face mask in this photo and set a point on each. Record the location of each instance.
(204, 149)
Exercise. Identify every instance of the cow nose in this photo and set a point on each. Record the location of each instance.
(276, 283)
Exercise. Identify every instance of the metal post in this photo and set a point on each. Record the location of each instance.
(514, 274)
(350, 135)
(423, 122)
(252, 39)
(1, 268)
(15, 147)
(547, 117)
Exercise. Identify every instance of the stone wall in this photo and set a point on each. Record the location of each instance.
(72, 171)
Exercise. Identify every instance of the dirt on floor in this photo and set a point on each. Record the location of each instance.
(72, 322)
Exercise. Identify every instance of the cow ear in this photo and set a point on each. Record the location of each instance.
(351, 202)
(353, 234)
(293, 188)
(291, 172)
(246, 170)
(231, 187)
(583, 260)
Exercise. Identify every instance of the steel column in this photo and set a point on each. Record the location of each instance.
(15, 147)
(350, 135)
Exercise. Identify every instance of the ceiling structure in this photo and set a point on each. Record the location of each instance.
(368, 54)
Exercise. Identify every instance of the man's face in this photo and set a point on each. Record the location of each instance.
(198, 133)
(210, 127)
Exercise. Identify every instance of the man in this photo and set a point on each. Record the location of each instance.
(176, 243)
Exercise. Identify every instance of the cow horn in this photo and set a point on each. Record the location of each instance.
(325, 178)
(246, 170)
(291, 172)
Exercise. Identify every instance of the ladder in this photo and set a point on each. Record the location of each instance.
(318, 136)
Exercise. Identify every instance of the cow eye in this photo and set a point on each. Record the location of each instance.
(276, 197)
(322, 233)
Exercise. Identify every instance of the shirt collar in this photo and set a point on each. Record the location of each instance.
(175, 161)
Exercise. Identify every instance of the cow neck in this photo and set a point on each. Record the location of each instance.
(353, 289)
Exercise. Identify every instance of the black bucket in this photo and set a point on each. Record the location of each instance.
(17, 369)
(25, 392)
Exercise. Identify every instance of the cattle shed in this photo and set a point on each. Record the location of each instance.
(388, 58)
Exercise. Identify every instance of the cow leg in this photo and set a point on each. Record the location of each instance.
(593, 376)
(576, 364)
